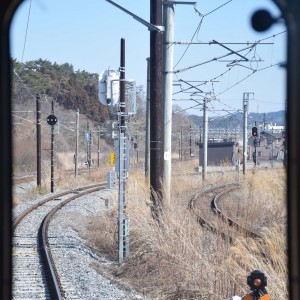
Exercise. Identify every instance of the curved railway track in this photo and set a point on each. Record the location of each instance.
(211, 196)
(34, 272)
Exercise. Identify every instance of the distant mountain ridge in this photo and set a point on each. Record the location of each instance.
(236, 120)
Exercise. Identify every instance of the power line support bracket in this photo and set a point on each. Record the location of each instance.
(150, 26)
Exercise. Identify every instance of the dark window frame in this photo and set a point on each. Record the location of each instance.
(291, 12)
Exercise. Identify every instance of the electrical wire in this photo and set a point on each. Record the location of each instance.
(217, 8)
(243, 79)
(213, 59)
(229, 89)
(26, 31)
(68, 128)
(26, 88)
(226, 105)
(185, 109)
(17, 117)
(198, 29)
(196, 32)
(251, 47)
(232, 66)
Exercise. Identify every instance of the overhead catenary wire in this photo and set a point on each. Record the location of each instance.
(212, 42)
(27, 25)
(249, 75)
(231, 66)
(214, 59)
(199, 27)
(228, 54)
(65, 127)
(232, 87)
(185, 109)
(18, 117)
(243, 79)
(217, 8)
(26, 88)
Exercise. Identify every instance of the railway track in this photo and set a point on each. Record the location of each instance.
(32, 177)
(35, 275)
(206, 215)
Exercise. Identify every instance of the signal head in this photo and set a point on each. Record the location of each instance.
(254, 131)
(257, 280)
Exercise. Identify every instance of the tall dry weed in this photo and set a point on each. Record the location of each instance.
(268, 254)
(177, 259)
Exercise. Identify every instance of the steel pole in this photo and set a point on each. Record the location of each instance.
(205, 131)
(190, 140)
(168, 90)
(38, 141)
(98, 150)
(123, 218)
(52, 153)
(245, 137)
(147, 139)
(181, 144)
(76, 143)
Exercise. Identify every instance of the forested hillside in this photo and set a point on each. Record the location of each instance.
(70, 89)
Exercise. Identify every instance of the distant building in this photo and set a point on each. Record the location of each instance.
(274, 128)
(269, 145)
(219, 153)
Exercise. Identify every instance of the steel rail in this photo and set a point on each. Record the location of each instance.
(228, 220)
(206, 224)
(53, 280)
(20, 217)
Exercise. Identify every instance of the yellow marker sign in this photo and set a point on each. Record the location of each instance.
(112, 158)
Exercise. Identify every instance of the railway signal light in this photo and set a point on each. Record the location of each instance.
(51, 120)
(257, 281)
(254, 131)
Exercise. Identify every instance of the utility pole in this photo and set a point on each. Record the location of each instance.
(179, 147)
(181, 144)
(246, 98)
(168, 21)
(147, 139)
(52, 120)
(272, 141)
(52, 151)
(76, 143)
(38, 141)
(137, 148)
(168, 90)
(245, 106)
(88, 139)
(123, 217)
(200, 141)
(156, 109)
(190, 140)
(156, 104)
(205, 131)
(98, 150)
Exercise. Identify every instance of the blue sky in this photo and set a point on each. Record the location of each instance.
(87, 35)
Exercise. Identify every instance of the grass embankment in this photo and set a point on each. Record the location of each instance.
(177, 259)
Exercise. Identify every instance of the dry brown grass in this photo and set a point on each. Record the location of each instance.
(269, 255)
(260, 202)
(62, 181)
(177, 259)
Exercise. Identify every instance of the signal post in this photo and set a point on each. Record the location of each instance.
(113, 87)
